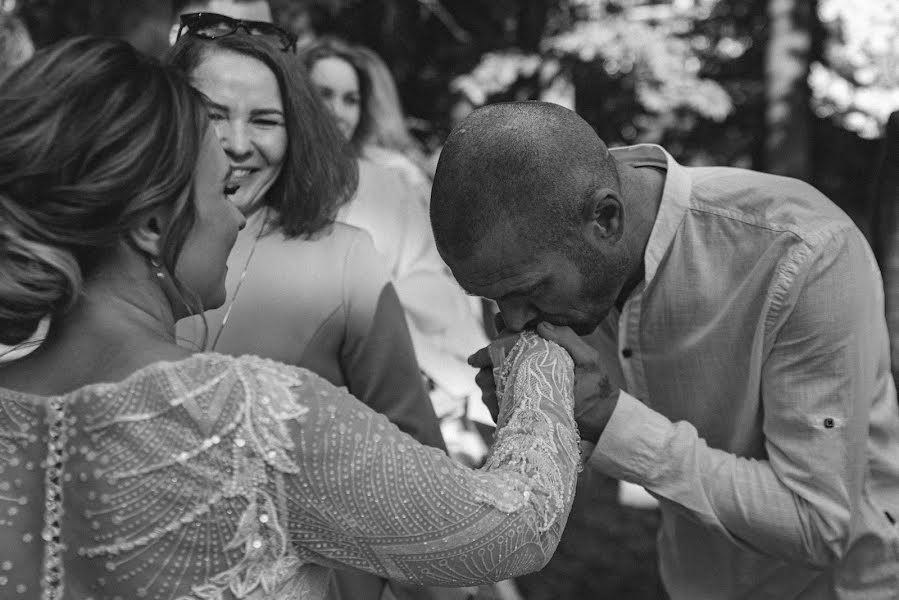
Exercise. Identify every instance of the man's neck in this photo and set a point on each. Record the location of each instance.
(642, 188)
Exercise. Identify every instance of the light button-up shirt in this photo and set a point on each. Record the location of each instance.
(758, 403)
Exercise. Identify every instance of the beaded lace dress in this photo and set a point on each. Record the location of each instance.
(217, 477)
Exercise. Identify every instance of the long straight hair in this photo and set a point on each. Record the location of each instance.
(332, 47)
(388, 128)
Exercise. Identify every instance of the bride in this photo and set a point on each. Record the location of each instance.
(130, 467)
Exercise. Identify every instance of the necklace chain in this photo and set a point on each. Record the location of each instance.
(243, 276)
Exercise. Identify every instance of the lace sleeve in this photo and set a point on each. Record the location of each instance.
(241, 477)
(368, 496)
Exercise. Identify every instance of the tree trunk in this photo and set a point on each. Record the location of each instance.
(787, 58)
(884, 215)
(531, 23)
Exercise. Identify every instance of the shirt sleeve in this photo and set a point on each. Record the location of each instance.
(817, 388)
(377, 357)
(366, 495)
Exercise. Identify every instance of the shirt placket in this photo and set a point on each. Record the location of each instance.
(630, 356)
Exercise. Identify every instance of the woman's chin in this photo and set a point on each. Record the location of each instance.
(243, 201)
(210, 301)
(216, 301)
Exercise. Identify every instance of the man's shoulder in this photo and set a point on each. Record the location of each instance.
(771, 202)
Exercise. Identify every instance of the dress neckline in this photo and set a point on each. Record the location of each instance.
(99, 387)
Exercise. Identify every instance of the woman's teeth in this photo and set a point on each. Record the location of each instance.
(240, 173)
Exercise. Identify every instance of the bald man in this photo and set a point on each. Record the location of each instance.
(739, 367)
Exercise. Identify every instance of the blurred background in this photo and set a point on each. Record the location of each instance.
(801, 88)
(796, 87)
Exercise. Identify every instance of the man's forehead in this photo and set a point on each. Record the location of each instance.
(498, 267)
(499, 284)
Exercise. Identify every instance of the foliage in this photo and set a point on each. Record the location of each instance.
(857, 81)
(683, 73)
(651, 57)
(688, 74)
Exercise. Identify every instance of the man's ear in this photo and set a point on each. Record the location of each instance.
(603, 215)
(147, 234)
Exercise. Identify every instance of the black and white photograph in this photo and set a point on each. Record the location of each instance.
(449, 299)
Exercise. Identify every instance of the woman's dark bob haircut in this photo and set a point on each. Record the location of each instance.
(320, 171)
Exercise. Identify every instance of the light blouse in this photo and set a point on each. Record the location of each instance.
(325, 304)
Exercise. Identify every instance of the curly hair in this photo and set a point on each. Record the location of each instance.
(93, 136)
(319, 173)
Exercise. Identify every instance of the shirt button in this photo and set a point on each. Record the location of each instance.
(627, 353)
(828, 423)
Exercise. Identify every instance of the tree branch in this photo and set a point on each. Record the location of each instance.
(444, 16)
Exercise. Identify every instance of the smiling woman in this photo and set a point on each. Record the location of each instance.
(279, 121)
(301, 289)
(245, 106)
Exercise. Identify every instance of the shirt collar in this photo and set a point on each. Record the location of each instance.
(674, 204)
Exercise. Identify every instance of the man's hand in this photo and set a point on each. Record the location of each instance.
(594, 396)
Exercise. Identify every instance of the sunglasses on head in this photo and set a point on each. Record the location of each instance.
(212, 26)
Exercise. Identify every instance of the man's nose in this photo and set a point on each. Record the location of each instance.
(518, 315)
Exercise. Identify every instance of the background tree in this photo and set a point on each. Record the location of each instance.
(855, 79)
(144, 23)
(788, 57)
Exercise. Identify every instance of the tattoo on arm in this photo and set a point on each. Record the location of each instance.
(605, 388)
(592, 411)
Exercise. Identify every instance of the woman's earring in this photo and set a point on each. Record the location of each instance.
(158, 266)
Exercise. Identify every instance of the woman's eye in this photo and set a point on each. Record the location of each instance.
(216, 117)
(267, 123)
